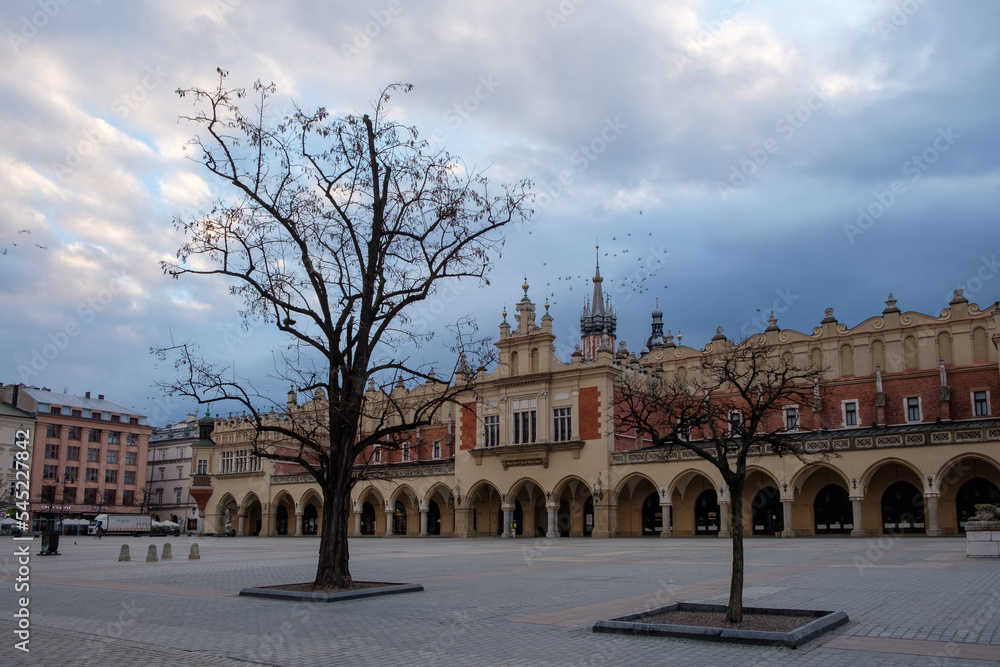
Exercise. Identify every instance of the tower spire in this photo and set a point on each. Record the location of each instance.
(598, 322)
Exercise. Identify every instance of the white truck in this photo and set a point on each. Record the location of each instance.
(119, 524)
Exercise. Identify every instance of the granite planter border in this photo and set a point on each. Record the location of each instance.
(310, 596)
(825, 621)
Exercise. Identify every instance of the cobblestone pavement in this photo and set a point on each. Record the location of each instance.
(911, 601)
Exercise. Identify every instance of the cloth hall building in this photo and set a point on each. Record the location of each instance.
(906, 437)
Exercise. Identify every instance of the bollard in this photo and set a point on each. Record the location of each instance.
(151, 554)
(167, 552)
(195, 554)
(123, 555)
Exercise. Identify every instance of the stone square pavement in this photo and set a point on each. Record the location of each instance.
(911, 601)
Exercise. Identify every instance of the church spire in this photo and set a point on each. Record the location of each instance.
(598, 322)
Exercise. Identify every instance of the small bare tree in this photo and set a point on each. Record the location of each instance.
(336, 229)
(733, 405)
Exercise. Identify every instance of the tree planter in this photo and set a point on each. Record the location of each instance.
(634, 625)
(372, 590)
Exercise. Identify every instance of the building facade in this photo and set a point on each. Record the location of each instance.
(88, 454)
(904, 434)
(12, 421)
(168, 474)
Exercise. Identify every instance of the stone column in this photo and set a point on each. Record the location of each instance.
(786, 517)
(933, 526)
(553, 513)
(858, 530)
(724, 519)
(507, 511)
(423, 522)
(268, 526)
(388, 523)
(665, 513)
(240, 521)
(357, 522)
(298, 524)
(605, 519)
(463, 521)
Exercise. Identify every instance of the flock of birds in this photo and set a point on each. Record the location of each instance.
(3, 251)
(635, 281)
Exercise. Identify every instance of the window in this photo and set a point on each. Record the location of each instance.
(90, 496)
(93, 455)
(53, 431)
(180, 452)
(406, 452)
(69, 495)
(436, 450)
(850, 410)
(524, 421)
(491, 431)
(114, 437)
(111, 476)
(132, 439)
(225, 463)
(163, 471)
(94, 435)
(128, 497)
(72, 453)
(51, 451)
(113, 456)
(177, 496)
(159, 496)
(202, 466)
(913, 409)
(109, 496)
(791, 418)
(50, 472)
(116, 418)
(95, 415)
(981, 403)
(76, 413)
(180, 472)
(75, 433)
(562, 424)
(131, 458)
(133, 420)
(128, 477)
(92, 474)
(377, 454)
(54, 410)
(161, 455)
(48, 494)
(72, 473)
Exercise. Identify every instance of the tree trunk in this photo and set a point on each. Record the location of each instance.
(734, 613)
(332, 570)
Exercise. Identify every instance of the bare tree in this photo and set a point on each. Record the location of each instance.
(338, 227)
(734, 406)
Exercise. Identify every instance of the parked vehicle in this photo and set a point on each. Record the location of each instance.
(121, 524)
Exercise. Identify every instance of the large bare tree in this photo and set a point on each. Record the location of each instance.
(335, 229)
(734, 404)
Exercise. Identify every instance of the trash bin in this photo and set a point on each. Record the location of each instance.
(50, 544)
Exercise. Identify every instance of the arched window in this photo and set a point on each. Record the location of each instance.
(533, 366)
(910, 352)
(846, 360)
(816, 359)
(878, 355)
(513, 363)
(980, 352)
(944, 347)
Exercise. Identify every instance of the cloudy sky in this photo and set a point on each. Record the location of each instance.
(730, 156)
